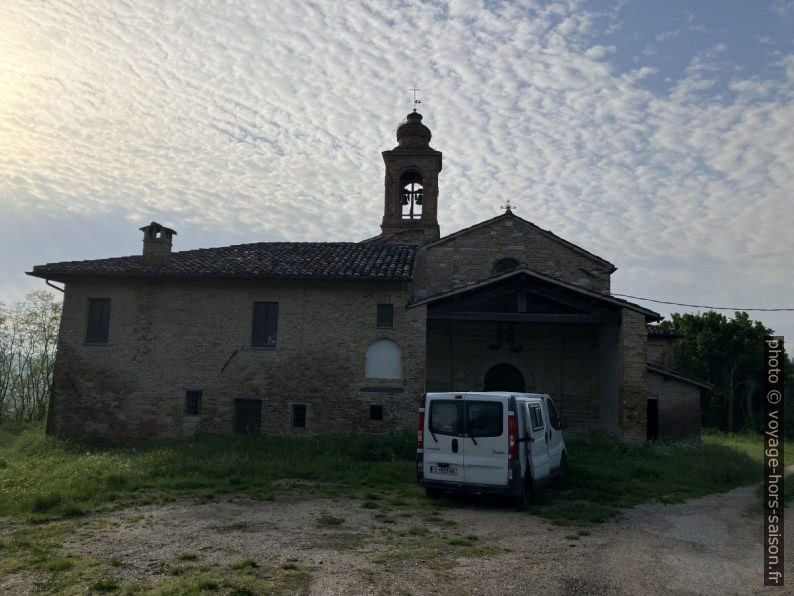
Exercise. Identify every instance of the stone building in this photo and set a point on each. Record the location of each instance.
(301, 337)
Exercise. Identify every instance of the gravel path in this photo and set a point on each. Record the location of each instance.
(706, 546)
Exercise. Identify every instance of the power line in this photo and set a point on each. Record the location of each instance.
(705, 306)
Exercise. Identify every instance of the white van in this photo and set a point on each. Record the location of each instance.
(489, 442)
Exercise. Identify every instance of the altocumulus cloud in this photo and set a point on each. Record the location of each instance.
(263, 121)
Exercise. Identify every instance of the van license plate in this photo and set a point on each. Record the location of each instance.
(448, 471)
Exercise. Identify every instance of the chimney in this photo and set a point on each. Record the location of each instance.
(156, 244)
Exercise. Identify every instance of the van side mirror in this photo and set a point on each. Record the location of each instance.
(562, 424)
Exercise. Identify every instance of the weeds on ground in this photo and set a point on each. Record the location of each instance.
(46, 478)
(605, 475)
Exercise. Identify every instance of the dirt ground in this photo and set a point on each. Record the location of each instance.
(706, 546)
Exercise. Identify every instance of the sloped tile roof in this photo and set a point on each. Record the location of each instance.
(263, 260)
(656, 331)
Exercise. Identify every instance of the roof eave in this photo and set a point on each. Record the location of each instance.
(679, 377)
(649, 314)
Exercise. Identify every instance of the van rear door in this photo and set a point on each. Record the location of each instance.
(443, 438)
(485, 446)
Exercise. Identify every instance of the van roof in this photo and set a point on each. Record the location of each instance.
(487, 394)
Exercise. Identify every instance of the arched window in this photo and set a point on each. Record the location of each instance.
(383, 360)
(503, 265)
(411, 194)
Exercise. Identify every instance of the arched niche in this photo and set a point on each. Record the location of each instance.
(383, 360)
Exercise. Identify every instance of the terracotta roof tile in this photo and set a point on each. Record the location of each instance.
(265, 260)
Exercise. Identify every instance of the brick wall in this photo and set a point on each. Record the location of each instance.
(679, 407)
(633, 376)
(660, 352)
(471, 256)
(167, 336)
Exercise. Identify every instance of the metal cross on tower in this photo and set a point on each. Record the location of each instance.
(508, 206)
(416, 101)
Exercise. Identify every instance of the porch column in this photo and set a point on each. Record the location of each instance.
(633, 376)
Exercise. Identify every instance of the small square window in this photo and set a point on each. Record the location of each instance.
(192, 403)
(385, 315)
(376, 412)
(298, 415)
(98, 323)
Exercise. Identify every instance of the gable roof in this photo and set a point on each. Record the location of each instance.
(596, 296)
(548, 234)
(261, 260)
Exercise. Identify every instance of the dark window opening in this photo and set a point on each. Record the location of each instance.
(411, 195)
(298, 415)
(192, 403)
(503, 265)
(265, 325)
(98, 324)
(376, 412)
(385, 315)
(653, 419)
(247, 416)
(504, 377)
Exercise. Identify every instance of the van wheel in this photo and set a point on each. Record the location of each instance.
(524, 499)
(432, 493)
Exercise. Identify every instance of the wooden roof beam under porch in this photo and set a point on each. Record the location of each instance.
(524, 317)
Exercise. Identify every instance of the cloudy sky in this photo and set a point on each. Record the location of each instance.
(658, 135)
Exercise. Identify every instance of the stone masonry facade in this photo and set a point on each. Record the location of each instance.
(168, 337)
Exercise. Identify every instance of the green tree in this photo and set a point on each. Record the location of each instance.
(729, 354)
(28, 341)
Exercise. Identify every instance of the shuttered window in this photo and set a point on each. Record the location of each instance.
(265, 324)
(98, 324)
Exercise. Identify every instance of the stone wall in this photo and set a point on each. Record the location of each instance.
(679, 407)
(471, 255)
(169, 336)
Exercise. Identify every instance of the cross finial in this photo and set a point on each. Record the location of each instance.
(416, 101)
(508, 207)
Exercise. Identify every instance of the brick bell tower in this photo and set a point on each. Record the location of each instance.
(410, 213)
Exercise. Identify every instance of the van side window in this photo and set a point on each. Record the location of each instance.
(536, 417)
(446, 417)
(484, 418)
(554, 419)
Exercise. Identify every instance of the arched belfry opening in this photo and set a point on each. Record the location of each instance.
(410, 212)
(411, 195)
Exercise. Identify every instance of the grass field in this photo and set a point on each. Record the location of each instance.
(53, 483)
(44, 478)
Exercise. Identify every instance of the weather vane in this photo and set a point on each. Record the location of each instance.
(508, 206)
(416, 101)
